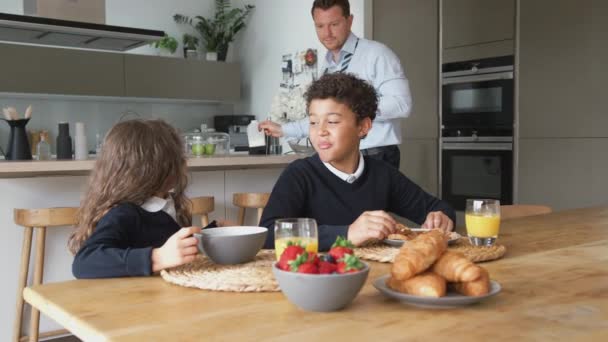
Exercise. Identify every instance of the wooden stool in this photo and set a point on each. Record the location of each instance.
(245, 200)
(37, 220)
(522, 210)
(202, 206)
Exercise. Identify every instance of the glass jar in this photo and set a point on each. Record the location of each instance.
(217, 143)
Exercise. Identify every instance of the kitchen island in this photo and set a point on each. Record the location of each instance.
(61, 183)
(554, 284)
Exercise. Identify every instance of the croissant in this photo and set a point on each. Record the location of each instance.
(455, 267)
(427, 284)
(477, 287)
(419, 254)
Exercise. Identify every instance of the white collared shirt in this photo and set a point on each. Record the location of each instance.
(347, 177)
(375, 63)
(155, 204)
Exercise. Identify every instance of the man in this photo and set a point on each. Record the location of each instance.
(368, 60)
(348, 194)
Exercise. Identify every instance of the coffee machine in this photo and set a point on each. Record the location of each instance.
(236, 127)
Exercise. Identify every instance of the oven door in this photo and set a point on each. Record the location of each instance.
(478, 101)
(477, 170)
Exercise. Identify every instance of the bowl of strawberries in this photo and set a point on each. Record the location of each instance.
(320, 282)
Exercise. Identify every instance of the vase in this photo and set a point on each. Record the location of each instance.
(18, 145)
(211, 56)
(222, 52)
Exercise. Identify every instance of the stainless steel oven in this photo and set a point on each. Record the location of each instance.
(478, 94)
(476, 167)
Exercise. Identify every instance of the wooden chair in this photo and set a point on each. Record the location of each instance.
(254, 200)
(508, 212)
(36, 220)
(202, 206)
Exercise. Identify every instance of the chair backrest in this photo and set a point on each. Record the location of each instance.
(251, 199)
(254, 200)
(48, 217)
(522, 210)
(202, 206)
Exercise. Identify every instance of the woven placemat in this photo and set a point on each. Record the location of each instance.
(202, 273)
(377, 252)
(478, 254)
(384, 253)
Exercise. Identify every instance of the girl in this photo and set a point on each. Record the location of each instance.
(129, 221)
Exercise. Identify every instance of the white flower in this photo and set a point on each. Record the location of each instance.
(288, 105)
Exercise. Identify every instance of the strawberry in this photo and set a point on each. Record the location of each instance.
(341, 247)
(308, 268)
(304, 264)
(327, 267)
(289, 254)
(313, 258)
(349, 264)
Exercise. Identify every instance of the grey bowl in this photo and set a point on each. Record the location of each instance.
(231, 245)
(320, 292)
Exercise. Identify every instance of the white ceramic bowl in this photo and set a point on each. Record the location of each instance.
(320, 292)
(231, 245)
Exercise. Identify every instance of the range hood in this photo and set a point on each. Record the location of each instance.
(47, 31)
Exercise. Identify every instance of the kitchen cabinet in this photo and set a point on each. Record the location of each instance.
(177, 78)
(473, 29)
(562, 108)
(43, 70)
(60, 71)
(562, 73)
(410, 29)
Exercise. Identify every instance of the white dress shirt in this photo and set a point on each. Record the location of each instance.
(155, 204)
(350, 178)
(376, 63)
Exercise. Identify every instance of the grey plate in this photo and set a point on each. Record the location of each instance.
(452, 299)
(399, 243)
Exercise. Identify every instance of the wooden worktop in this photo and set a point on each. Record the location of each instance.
(554, 278)
(34, 168)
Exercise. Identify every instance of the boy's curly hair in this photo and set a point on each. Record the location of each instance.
(358, 95)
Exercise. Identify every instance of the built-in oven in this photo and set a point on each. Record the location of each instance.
(476, 167)
(478, 94)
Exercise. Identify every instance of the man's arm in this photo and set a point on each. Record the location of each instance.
(394, 97)
(296, 129)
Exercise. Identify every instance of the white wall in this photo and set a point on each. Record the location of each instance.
(276, 27)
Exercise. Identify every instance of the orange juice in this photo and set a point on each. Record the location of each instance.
(482, 226)
(310, 244)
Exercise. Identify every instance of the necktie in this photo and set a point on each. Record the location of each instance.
(346, 61)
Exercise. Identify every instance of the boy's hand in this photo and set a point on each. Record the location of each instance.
(438, 220)
(180, 248)
(271, 128)
(371, 225)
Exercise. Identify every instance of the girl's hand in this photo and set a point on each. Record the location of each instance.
(180, 248)
(438, 220)
(370, 225)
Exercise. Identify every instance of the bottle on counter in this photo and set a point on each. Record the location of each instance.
(64, 142)
(81, 152)
(43, 148)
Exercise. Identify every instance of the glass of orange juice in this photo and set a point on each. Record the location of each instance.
(482, 218)
(302, 231)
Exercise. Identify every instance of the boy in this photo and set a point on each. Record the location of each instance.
(346, 193)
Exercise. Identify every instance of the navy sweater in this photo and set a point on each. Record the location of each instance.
(308, 189)
(121, 244)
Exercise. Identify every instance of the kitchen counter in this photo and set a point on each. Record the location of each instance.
(34, 168)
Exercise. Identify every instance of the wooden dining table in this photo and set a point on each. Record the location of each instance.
(554, 280)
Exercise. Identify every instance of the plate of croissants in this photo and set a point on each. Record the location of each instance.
(404, 233)
(426, 274)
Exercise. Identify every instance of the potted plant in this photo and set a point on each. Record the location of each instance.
(190, 46)
(166, 44)
(219, 31)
